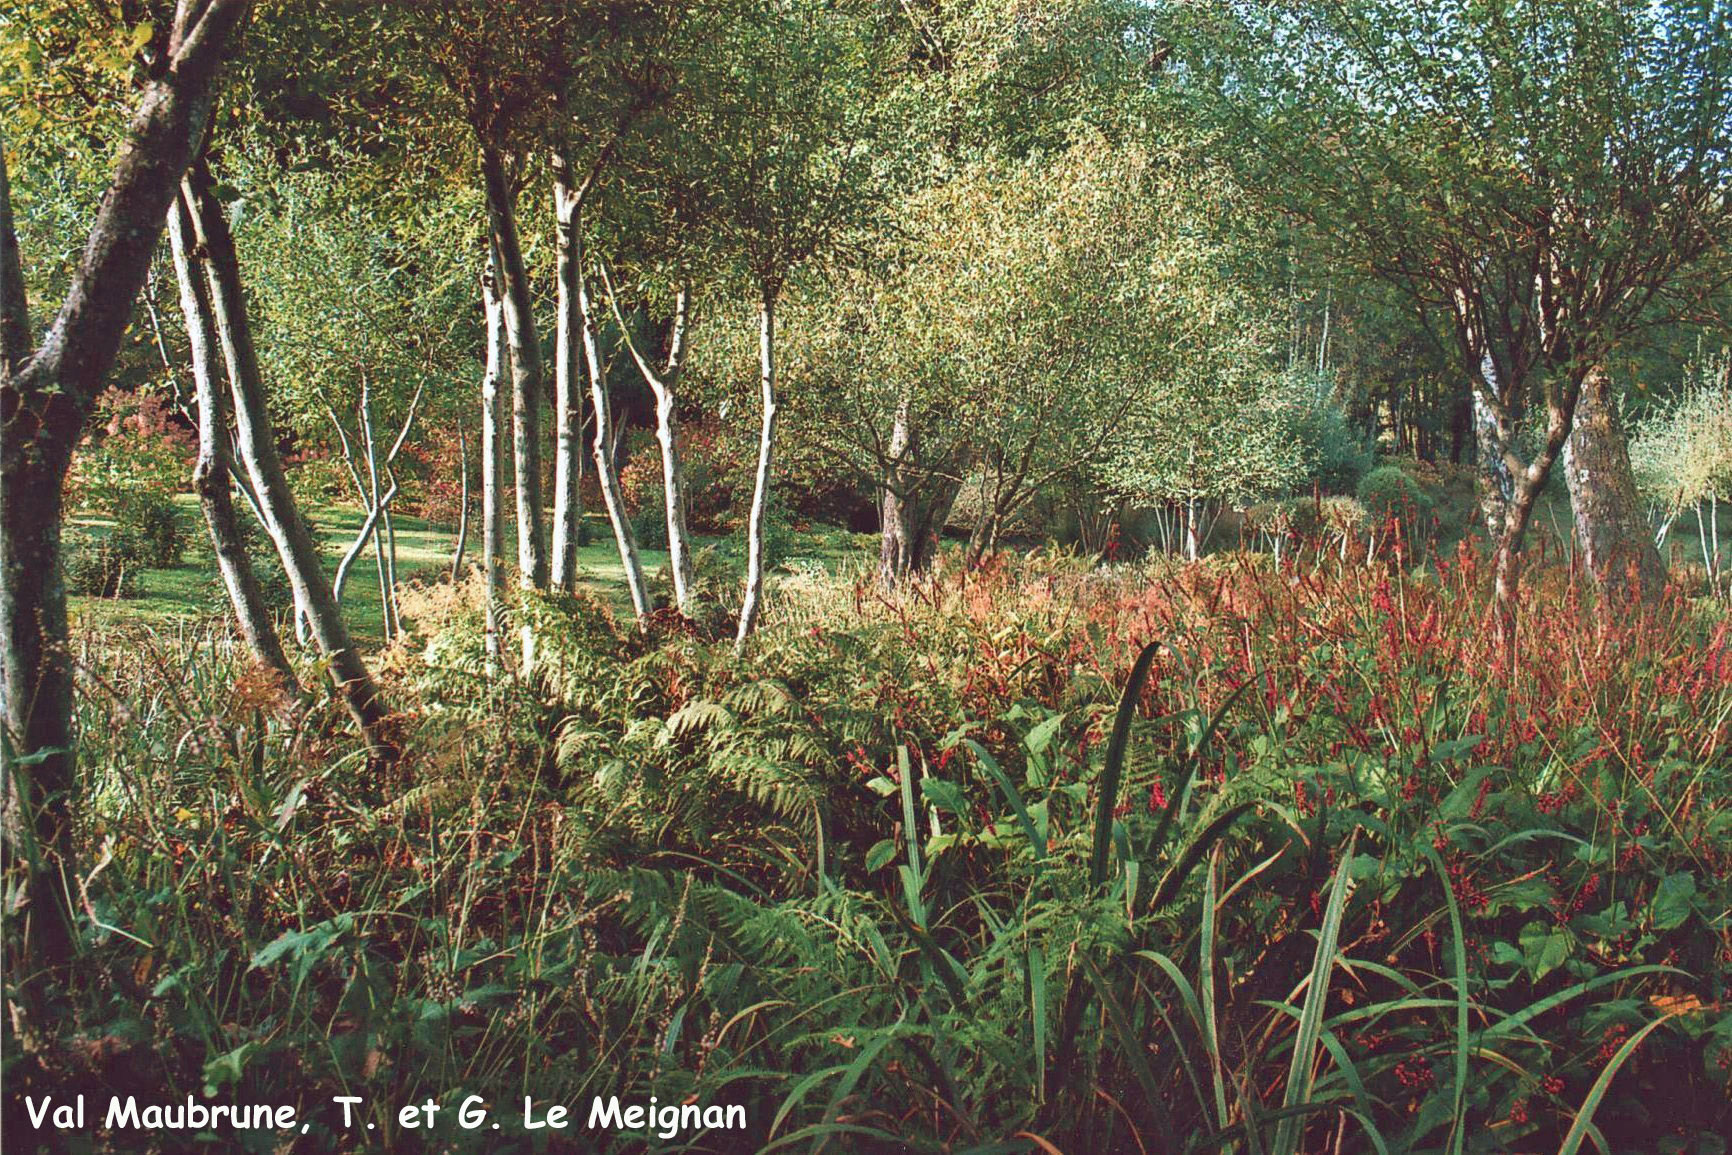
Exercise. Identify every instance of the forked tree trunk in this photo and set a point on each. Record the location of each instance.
(913, 507)
(493, 460)
(664, 385)
(212, 473)
(606, 469)
(756, 525)
(525, 352)
(568, 393)
(45, 400)
(1610, 524)
(258, 450)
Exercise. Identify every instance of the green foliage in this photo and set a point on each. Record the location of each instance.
(151, 520)
(1388, 492)
(102, 565)
(1682, 451)
(869, 862)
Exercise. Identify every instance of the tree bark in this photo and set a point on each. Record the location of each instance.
(212, 473)
(493, 459)
(567, 394)
(755, 526)
(664, 386)
(258, 450)
(462, 542)
(1610, 525)
(45, 400)
(1496, 484)
(606, 468)
(525, 352)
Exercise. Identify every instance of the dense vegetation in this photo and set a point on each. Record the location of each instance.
(959, 575)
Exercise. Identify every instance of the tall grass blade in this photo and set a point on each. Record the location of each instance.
(1300, 1072)
(1458, 959)
(1113, 770)
(1585, 1116)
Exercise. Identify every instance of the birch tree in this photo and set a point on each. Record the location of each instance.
(793, 129)
(47, 389)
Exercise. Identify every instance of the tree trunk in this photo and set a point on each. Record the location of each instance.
(1496, 484)
(258, 449)
(568, 395)
(1610, 523)
(493, 459)
(606, 469)
(462, 542)
(664, 385)
(45, 399)
(896, 531)
(913, 509)
(525, 352)
(755, 525)
(211, 474)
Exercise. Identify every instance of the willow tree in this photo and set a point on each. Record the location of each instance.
(1549, 177)
(47, 390)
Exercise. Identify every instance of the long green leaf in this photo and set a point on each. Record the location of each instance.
(1300, 1071)
(1597, 1092)
(1206, 990)
(1011, 795)
(1114, 768)
(1458, 1115)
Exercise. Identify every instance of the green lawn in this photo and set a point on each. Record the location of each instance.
(192, 589)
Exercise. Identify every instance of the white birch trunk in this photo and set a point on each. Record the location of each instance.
(212, 472)
(753, 605)
(665, 387)
(605, 472)
(258, 449)
(493, 461)
(568, 395)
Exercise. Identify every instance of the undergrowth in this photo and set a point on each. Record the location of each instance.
(1045, 857)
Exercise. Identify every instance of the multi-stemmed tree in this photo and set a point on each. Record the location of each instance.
(1550, 177)
(47, 389)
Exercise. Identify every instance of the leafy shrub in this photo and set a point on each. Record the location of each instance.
(650, 526)
(150, 518)
(103, 565)
(1388, 492)
(136, 445)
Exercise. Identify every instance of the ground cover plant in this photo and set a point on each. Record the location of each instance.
(976, 869)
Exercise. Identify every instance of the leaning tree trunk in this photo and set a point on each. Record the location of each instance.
(493, 460)
(212, 473)
(567, 394)
(606, 467)
(258, 450)
(462, 542)
(757, 523)
(45, 399)
(525, 352)
(665, 388)
(1610, 525)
